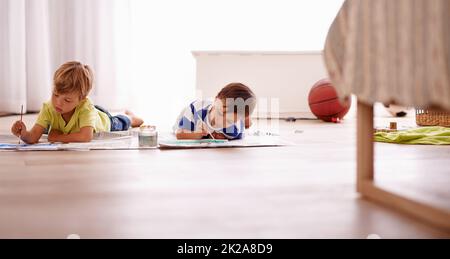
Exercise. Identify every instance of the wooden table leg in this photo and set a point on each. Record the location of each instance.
(365, 178)
(365, 155)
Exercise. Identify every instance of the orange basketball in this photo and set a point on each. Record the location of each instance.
(324, 102)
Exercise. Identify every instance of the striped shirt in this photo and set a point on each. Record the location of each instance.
(197, 114)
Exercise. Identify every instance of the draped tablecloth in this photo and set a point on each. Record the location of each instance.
(391, 51)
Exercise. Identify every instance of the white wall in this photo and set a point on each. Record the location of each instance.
(165, 32)
(281, 79)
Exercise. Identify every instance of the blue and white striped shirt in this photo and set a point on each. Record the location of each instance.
(191, 119)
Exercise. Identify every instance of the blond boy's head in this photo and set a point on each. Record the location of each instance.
(73, 77)
(72, 83)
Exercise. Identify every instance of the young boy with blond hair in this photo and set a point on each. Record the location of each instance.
(70, 116)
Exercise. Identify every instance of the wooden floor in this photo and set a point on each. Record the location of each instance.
(302, 191)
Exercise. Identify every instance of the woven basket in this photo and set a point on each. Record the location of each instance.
(425, 117)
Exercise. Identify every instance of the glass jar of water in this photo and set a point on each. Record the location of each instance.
(148, 136)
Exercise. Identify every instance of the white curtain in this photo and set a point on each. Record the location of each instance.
(39, 35)
(12, 56)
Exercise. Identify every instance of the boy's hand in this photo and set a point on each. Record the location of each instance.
(218, 135)
(202, 129)
(204, 133)
(19, 128)
(54, 135)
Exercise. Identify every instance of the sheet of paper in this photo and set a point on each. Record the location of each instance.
(249, 141)
(40, 147)
(114, 135)
(25, 147)
(130, 141)
(111, 144)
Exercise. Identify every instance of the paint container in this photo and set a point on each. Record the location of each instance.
(148, 136)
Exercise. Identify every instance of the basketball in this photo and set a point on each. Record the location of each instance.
(325, 104)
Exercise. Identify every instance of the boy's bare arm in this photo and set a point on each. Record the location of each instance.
(218, 135)
(34, 135)
(86, 134)
(30, 137)
(184, 134)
